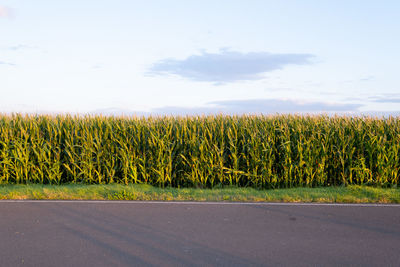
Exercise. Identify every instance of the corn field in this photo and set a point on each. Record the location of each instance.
(203, 151)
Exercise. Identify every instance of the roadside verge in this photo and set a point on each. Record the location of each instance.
(348, 194)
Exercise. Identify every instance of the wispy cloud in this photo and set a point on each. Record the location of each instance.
(386, 98)
(381, 98)
(228, 66)
(19, 47)
(258, 106)
(6, 63)
(367, 78)
(97, 66)
(5, 12)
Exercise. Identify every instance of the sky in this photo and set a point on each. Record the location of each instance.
(199, 57)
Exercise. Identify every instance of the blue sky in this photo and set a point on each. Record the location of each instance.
(184, 57)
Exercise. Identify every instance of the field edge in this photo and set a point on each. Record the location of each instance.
(138, 192)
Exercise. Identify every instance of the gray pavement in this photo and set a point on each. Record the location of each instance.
(186, 234)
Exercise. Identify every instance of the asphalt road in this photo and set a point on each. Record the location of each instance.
(165, 234)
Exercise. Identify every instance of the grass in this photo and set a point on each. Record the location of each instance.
(348, 194)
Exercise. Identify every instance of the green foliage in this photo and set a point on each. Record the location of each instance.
(140, 192)
(208, 151)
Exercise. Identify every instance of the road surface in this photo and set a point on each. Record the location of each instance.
(67, 233)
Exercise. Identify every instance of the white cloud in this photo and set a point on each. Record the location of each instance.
(261, 106)
(6, 63)
(386, 98)
(228, 66)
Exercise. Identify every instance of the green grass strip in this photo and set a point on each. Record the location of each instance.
(349, 194)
